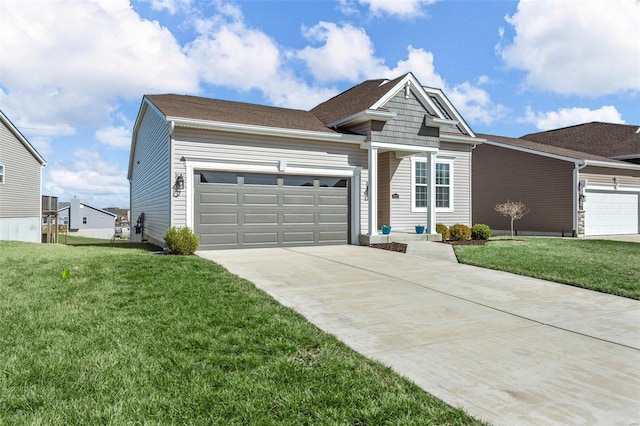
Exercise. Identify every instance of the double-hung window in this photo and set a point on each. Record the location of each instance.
(420, 185)
(1, 173)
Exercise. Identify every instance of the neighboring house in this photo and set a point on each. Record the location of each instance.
(122, 215)
(245, 175)
(87, 221)
(20, 185)
(567, 192)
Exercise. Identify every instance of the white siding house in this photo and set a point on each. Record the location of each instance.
(20, 185)
(244, 175)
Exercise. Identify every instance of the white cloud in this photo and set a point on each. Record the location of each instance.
(420, 62)
(227, 53)
(475, 104)
(64, 62)
(564, 117)
(88, 177)
(587, 48)
(400, 8)
(171, 6)
(346, 53)
(118, 137)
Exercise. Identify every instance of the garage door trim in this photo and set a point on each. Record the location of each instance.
(592, 191)
(274, 167)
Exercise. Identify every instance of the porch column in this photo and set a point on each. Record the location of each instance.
(373, 192)
(431, 203)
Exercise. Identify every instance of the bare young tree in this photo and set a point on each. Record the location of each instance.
(513, 210)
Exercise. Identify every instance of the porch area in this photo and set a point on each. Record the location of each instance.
(397, 237)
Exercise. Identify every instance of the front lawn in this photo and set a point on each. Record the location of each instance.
(131, 337)
(606, 266)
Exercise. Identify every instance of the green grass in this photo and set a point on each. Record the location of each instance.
(137, 338)
(607, 266)
(75, 240)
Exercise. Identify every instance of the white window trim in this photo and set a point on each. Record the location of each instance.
(2, 174)
(431, 185)
(451, 185)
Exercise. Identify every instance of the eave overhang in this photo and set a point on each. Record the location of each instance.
(265, 131)
(364, 116)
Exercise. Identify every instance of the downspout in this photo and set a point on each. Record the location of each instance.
(576, 193)
(471, 184)
(172, 128)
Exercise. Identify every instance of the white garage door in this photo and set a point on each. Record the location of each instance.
(611, 213)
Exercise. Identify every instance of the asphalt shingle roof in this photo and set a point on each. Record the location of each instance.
(549, 149)
(193, 107)
(597, 138)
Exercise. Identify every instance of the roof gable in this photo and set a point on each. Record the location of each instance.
(13, 129)
(597, 138)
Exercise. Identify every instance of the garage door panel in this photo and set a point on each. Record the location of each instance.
(239, 215)
(219, 219)
(252, 238)
(298, 200)
(610, 213)
(260, 199)
(260, 218)
(219, 198)
(298, 218)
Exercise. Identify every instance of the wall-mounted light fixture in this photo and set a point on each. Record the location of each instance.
(178, 186)
(615, 182)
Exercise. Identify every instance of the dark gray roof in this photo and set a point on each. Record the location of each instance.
(597, 138)
(354, 100)
(193, 107)
(549, 149)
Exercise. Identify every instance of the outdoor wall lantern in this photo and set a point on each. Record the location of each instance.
(178, 186)
(615, 182)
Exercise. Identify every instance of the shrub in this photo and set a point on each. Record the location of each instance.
(480, 231)
(443, 230)
(181, 240)
(459, 232)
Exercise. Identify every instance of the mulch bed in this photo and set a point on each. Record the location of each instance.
(399, 247)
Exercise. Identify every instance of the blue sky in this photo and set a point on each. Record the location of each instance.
(73, 72)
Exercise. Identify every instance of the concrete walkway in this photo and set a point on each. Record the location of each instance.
(507, 349)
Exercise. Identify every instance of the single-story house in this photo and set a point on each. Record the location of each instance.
(87, 221)
(567, 192)
(386, 152)
(20, 185)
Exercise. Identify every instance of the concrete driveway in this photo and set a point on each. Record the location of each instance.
(507, 349)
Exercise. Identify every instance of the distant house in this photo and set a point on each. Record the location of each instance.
(20, 185)
(385, 152)
(573, 180)
(87, 221)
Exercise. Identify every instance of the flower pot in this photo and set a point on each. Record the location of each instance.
(386, 229)
(419, 229)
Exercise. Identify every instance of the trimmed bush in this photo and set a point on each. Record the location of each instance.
(181, 240)
(480, 231)
(459, 232)
(443, 230)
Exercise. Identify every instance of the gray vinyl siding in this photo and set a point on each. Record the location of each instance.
(150, 177)
(408, 127)
(604, 176)
(461, 155)
(20, 192)
(544, 185)
(202, 144)
(402, 218)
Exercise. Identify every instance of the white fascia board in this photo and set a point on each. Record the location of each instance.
(398, 147)
(461, 139)
(623, 166)
(266, 131)
(533, 151)
(366, 115)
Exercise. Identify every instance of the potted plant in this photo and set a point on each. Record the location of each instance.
(419, 229)
(386, 229)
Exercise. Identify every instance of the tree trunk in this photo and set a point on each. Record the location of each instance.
(512, 228)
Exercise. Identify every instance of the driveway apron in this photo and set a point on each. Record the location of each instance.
(508, 349)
